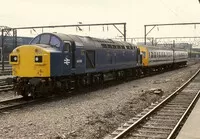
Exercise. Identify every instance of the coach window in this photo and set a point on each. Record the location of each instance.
(151, 54)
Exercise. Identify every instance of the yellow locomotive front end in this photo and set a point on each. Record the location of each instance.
(31, 68)
(30, 61)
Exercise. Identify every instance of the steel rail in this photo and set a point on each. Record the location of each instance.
(10, 104)
(6, 104)
(10, 100)
(5, 86)
(183, 116)
(156, 107)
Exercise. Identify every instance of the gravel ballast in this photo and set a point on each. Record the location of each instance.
(94, 114)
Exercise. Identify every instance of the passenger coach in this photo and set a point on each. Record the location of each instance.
(155, 57)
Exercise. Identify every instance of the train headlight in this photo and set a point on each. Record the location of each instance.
(38, 59)
(13, 58)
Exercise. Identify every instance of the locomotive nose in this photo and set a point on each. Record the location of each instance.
(30, 61)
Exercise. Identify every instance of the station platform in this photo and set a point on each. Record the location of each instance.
(191, 128)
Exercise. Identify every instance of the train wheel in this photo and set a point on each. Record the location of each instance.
(25, 95)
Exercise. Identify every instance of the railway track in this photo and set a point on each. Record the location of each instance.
(163, 119)
(19, 102)
(6, 72)
(4, 86)
(11, 104)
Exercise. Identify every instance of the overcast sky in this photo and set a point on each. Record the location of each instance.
(136, 13)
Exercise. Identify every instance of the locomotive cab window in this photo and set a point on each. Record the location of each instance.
(44, 39)
(47, 39)
(35, 40)
(66, 47)
(55, 42)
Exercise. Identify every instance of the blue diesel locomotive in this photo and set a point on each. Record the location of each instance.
(58, 61)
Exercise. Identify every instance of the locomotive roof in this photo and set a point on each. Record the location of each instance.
(87, 41)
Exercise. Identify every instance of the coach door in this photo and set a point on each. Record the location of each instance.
(68, 58)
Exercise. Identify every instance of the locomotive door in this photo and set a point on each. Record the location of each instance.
(68, 58)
